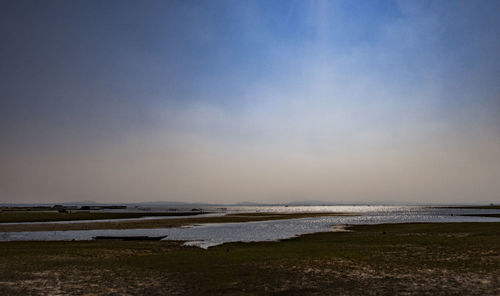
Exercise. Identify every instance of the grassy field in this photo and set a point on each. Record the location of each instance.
(161, 223)
(397, 259)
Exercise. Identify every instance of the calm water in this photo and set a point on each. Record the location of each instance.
(207, 235)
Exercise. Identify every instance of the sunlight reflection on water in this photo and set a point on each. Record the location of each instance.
(207, 235)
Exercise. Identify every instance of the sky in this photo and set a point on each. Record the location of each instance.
(264, 101)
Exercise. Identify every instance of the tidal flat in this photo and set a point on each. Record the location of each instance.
(137, 224)
(387, 259)
(54, 216)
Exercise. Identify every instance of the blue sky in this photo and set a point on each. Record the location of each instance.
(268, 101)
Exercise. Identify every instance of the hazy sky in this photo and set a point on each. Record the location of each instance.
(264, 101)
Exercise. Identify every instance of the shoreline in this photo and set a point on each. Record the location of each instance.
(152, 223)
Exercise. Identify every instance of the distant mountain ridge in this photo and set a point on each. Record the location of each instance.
(174, 204)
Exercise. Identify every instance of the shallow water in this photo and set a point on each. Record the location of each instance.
(207, 235)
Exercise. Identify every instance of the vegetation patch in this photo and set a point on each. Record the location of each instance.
(47, 216)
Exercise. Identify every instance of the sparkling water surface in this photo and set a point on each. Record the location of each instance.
(212, 234)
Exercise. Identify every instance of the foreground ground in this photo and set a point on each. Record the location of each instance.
(402, 259)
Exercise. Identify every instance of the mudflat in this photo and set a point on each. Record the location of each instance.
(389, 259)
(161, 223)
(48, 216)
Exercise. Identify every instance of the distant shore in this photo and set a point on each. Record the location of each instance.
(52, 216)
(488, 207)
